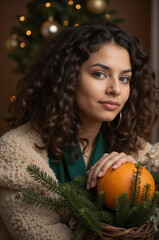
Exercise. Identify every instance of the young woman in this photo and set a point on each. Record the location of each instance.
(86, 104)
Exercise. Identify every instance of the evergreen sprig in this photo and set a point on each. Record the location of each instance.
(122, 209)
(108, 217)
(92, 220)
(79, 232)
(44, 179)
(156, 178)
(146, 193)
(72, 196)
(135, 184)
(87, 207)
(41, 201)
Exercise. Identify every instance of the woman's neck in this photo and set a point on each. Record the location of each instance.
(89, 132)
(89, 127)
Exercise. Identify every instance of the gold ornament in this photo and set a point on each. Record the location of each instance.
(12, 42)
(96, 6)
(49, 28)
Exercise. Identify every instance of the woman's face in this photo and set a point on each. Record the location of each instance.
(104, 85)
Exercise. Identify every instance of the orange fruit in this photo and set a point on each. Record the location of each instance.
(118, 181)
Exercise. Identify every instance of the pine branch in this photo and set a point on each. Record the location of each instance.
(142, 212)
(81, 180)
(146, 193)
(100, 200)
(155, 176)
(42, 201)
(122, 210)
(75, 187)
(107, 217)
(45, 180)
(79, 232)
(134, 214)
(135, 184)
(91, 219)
(151, 208)
(88, 207)
(76, 201)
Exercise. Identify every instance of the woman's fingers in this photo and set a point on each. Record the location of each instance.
(97, 169)
(113, 159)
(122, 160)
(100, 168)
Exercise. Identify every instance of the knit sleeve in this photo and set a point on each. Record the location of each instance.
(28, 222)
(24, 221)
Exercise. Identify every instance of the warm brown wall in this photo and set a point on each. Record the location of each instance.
(8, 11)
(137, 20)
(137, 14)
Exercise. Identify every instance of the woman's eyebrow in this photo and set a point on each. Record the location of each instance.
(108, 68)
(101, 65)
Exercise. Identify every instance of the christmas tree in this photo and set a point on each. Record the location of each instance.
(46, 18)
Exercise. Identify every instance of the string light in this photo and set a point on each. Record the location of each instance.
(28, 32)
(22, 45)
(70, 3)
(78, 6)
(76, 24)
(48, 4)
(22, 18)
(107, 15)
(66, 22)
(13, 98)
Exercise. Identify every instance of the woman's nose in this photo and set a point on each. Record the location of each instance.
(113, 87)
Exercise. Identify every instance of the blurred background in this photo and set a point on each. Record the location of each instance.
(141, 17)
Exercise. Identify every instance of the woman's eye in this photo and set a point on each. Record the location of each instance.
(99, 75)
(124, 79)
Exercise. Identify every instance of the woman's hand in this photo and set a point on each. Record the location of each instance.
(113, 159)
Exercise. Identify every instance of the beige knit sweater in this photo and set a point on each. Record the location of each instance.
(18, 220)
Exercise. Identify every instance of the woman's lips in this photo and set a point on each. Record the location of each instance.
(109, 105)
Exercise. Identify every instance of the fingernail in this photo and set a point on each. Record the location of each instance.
(92, 184)
(100, 174)
(115, 166)
(88, 186)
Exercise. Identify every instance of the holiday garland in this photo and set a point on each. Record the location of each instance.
(87, 208)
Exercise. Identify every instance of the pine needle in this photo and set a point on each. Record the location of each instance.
(146, 196)
(107, 217)
(122, 210)
(44, 179)
(135, 184)
(91, 220)
(100, 200)
(79, 232)
(42, 201)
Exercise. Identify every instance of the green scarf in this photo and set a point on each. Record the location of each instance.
(67, 169)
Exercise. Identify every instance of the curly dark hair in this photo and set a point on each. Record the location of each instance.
(46, 95)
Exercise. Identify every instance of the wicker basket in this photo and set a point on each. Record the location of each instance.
(145, 232)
